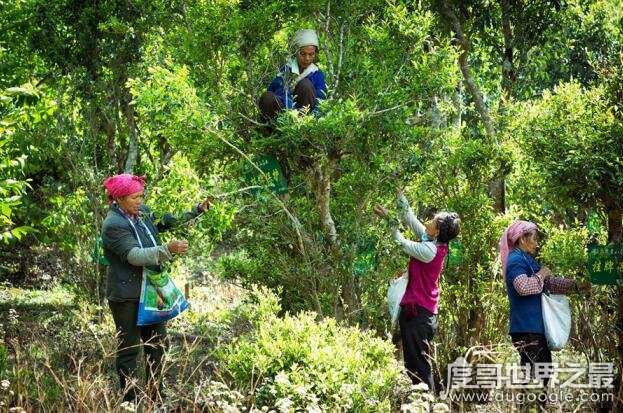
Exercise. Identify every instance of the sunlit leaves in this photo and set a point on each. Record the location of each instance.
(571, 136)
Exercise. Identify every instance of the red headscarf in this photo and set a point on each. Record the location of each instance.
(122, 185)
(510, 237)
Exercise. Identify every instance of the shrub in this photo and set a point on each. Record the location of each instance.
(297, 362)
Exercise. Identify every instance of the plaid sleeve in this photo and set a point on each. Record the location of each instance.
(525, 285)
(559, 285)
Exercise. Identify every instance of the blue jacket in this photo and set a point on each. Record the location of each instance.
(280, 85)
(525, 311)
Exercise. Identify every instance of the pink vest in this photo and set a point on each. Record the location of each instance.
(423, 287)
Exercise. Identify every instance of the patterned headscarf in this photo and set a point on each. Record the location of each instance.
(509, 239)
(122, 185)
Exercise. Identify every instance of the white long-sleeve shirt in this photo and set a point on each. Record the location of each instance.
(423, 251)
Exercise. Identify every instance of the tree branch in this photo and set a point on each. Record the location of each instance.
(470, 83)
(256, 123)
(295, 222)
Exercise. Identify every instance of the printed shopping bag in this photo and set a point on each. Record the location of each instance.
(160, 299)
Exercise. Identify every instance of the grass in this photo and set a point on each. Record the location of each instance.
(56, 354)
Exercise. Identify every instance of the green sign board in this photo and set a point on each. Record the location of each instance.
(272, 175)
(98, 252)
(605, 264)
(455, 253)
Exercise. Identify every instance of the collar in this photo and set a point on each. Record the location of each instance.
(294, 68)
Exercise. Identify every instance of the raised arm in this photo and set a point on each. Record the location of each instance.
(169, 221)
(408, 217)
(422, 251)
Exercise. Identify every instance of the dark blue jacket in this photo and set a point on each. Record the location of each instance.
(280, 85)
(525, 311)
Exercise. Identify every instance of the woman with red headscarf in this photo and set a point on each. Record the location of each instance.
(131, 241)
(525, 282)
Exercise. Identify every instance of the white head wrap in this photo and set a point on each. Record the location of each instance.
(305, 37)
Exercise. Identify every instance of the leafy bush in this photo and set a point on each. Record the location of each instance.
(564, 251)
(297, 362)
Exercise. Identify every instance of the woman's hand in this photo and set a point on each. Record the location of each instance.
(177, 246)
(583, 287)
(380, 211)
(545, 273)
(205, 205)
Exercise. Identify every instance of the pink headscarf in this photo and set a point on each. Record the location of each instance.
(510, 237)
(122, 185)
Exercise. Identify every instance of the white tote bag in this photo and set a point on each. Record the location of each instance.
(396, 290)
(557, 319)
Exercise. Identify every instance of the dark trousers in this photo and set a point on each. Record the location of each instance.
(130, 335)
(417, 332)
(532, 349)
(304, 97)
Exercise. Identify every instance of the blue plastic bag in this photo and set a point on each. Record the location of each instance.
(160, 299)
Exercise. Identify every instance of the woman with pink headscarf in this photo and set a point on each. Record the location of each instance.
(525, 282)
(131, 241)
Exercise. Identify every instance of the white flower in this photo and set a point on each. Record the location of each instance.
(420, 387)
(440, 408)
(282, 378)
(301, 390)
(284, 405)
(5, 384)
(348, 388)
(128, 407)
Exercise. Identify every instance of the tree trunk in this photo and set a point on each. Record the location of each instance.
(615, 236)
(128, 111)
(496, 186)
(497, 190)
(508, 64)
(457, 102)
(474, 92)
(470, 82)
(615, 226)
(322, 185)
(348, 304)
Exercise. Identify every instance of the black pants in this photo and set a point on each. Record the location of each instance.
(304, 97)
(417, 333)
(532, 349)
(130, 336)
